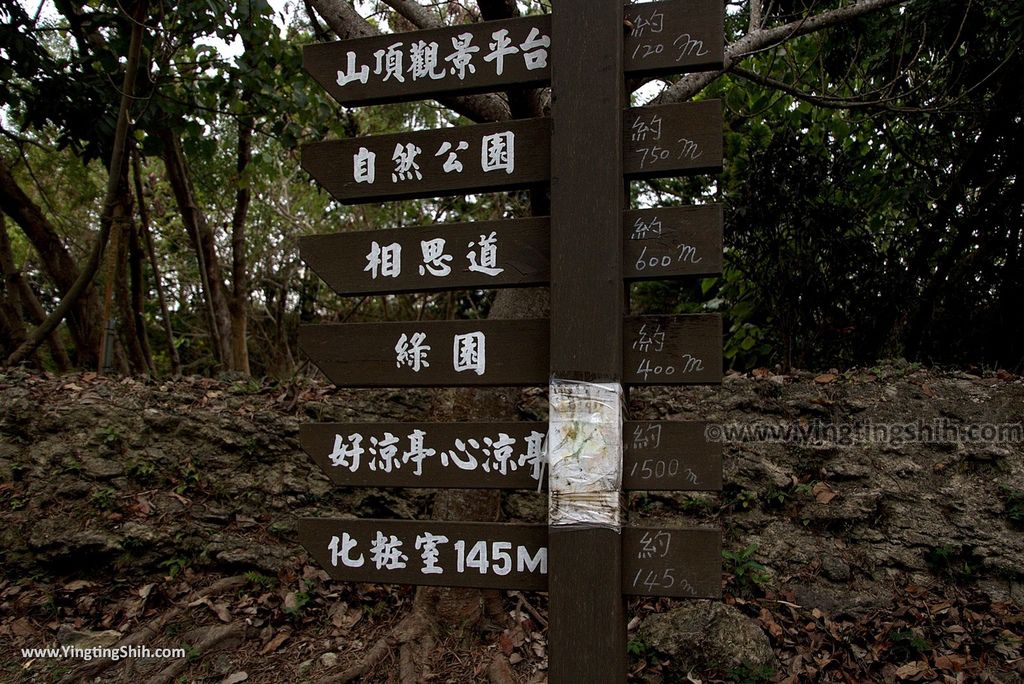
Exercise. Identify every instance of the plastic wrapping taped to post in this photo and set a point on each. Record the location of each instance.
(585, 454)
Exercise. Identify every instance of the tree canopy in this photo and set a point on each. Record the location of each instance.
(873, 203)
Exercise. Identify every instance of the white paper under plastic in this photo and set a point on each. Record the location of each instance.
(585, 454)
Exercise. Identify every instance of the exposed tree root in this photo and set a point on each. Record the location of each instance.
(155, 626)
(215, 636)
(500, 672)
(413, 628)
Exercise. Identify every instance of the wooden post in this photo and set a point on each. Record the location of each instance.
(587, 631)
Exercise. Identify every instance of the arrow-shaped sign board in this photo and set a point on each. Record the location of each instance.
(658, 455)
(658, 243)
(662, 140)
(658, 350)
(664, 37)
(682, 562)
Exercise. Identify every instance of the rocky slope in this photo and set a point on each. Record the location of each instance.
(165, 512)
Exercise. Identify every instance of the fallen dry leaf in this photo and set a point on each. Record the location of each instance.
(276, 642)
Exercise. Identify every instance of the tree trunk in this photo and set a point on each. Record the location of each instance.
(239, 305)
(219, 315)
(58, 264)
(115, 173)
(147, 238)
(125, 282)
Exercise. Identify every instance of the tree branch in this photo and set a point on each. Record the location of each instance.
(762, 39)
(416, 13)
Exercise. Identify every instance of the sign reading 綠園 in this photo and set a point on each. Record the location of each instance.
(586, 252)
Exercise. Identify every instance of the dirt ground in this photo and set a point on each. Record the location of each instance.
(163, 514)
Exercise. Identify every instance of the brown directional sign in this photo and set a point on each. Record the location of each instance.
(431, 354)
(674, 37)
(682, 562)
(671, 242)
(453, 256)
(443, 161)
(677, 562)
(657, 455)
(663, 140)
(672, 350)
(659, 350)
(659, 243)
(668, 139)
(665, 37)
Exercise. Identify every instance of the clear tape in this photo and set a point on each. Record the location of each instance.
(585, 454)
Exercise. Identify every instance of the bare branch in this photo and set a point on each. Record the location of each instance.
(756, 16)
(763, 39)
(415, 13)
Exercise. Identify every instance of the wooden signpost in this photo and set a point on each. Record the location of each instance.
(591, 246)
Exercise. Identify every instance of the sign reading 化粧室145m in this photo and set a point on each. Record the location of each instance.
(489, 55)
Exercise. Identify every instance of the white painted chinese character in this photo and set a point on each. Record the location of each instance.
(647, 436)
(498, 152)
(405, 163)
(641, 228)
(502, 452)
(654, 545)
(341, 549)
(536, 455)
(434, 259)
(412, 352)
(427, 544)
(501, 46)
(364, 166)
(465, 461)
(417, 453)
(647, 339)
(452, 163)
(389, 62)
(346, 455)
(641, 129)
(535, 50)
(423, 61)
(386, 453)
(469, 353)
(488, 262)
(462, 58)
(385, 552)
(362, 74)
(386, 260)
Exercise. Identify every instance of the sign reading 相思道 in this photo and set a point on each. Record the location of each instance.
(658, 243)
(637, 40)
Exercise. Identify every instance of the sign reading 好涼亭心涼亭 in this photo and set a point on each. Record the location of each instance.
(658, 455)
